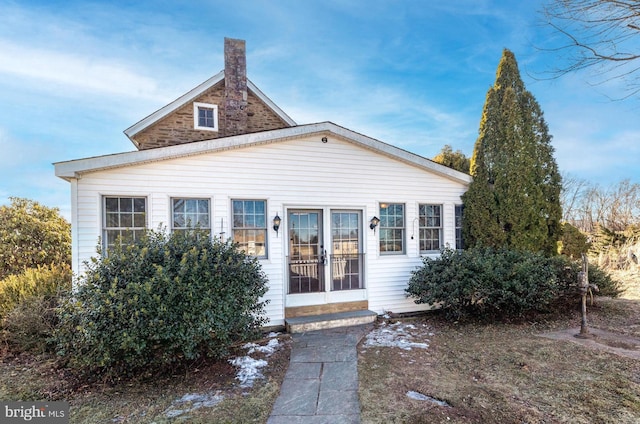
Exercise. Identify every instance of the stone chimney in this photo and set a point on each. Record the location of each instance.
(235, 87)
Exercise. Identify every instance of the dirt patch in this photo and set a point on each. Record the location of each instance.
(619, 344)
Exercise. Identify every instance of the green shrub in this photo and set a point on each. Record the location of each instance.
(159, 301)
(27, 306)
(486, 283)
(31, 324)
(43, 281)
(568, 269)
(573, 242)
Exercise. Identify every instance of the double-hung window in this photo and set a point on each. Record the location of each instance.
(250, 226)
(124, 220)
(189, 214)
(205, 116)
(392, 228)
(458, 219)
(430, 225)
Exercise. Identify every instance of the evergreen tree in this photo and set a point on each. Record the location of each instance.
(514, 199)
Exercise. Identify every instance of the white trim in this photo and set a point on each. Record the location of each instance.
(196, 116)
(75, 168)
(194, 94)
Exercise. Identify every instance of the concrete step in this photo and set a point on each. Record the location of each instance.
(326, 321)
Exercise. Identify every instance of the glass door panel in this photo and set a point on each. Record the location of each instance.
(306, 251)
(346, 257)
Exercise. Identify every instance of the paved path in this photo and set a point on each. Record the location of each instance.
(321, 384)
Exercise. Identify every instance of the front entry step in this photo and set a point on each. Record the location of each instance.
(326, 321)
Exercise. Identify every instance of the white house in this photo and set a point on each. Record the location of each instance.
(337, 219)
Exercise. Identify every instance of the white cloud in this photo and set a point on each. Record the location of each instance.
(76, 72)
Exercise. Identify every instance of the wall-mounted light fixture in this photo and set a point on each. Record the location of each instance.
(374, 223)
(324, 139)
(276, 223)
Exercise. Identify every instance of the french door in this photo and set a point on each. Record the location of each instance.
(307, 257)
(346, 250)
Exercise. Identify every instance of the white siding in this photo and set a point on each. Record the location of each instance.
(294, 173)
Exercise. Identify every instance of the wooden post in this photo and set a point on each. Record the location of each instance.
(583, 283)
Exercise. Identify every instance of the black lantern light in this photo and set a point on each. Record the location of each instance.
(374, 223)
(276, 223)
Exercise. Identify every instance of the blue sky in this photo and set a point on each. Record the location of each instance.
(75, 74)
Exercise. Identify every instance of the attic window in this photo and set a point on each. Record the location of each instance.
(205, 116)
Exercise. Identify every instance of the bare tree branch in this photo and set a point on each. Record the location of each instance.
(603, 35)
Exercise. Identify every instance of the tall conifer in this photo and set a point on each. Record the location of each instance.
(514, 199)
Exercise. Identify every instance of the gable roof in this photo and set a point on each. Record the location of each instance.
(69, 170)
(194, 94)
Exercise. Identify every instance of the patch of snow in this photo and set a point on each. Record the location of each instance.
(194, 401)
(395, 335)
(249, 369)
(272, 335)
(270, 347)
(420, 396)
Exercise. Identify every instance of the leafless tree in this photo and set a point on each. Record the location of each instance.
(585, 205)
(603, 35)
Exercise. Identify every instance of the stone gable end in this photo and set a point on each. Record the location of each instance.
(177, 127)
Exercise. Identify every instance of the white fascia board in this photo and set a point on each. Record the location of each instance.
(74, 169)
(174, 105)
(270, 104)
(403, 155)
(194, 94)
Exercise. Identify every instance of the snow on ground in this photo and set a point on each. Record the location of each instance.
(420, 396)
(191, 402)
(248, 373)
(399, 334)
(248, 367)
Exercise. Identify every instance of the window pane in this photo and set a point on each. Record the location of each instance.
(139, 205)
(203, 206)
(126, 220)
(178, 205)
(237, 221)
(113, 220)
(249, 221)
(126, 204)
(203, 221)
(189, 206)
(111, 204)
(139, 220)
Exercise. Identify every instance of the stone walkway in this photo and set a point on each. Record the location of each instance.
(321, 384)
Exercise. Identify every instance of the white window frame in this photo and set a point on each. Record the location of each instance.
(423, 225)
(265, 230)
(196, 116)
(190, 227)
(385, 226)
(458, 227)
(135, 230)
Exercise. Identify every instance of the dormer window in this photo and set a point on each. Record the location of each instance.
(205, 116)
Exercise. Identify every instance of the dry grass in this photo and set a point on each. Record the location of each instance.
(630, 282)
(505, 374)
(27, 377)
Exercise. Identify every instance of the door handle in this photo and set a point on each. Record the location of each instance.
(323, 256)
